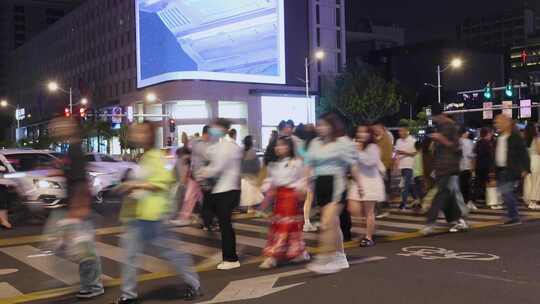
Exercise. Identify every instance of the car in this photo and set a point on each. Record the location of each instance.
(31, 171)
(105, 173)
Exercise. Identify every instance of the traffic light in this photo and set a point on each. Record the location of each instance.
(509, 89)
(488, 91)
(67, 113)
(82, 111)
(172, 125)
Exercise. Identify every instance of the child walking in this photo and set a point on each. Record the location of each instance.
(285, 180)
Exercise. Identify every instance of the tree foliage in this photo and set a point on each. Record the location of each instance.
(363, 97)
(415, 125)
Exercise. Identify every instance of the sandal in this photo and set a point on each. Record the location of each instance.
(367, 243)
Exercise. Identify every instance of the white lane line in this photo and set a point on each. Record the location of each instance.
(240, 239)
(8, 291)
(58, 268)
(264, 230)
(494, 278)
(191, 248)
(394, 224)
(8, 271)
(147, 263)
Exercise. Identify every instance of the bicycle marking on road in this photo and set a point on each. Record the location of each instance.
(436, 253)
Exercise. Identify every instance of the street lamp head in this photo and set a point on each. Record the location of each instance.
(3, 103)
(319, 55)
(84, 101)
(456, 63)
(52, 86)
(151, 97)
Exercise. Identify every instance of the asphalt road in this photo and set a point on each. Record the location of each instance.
(505, 268)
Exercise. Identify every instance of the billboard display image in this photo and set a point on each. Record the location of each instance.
(226, 40)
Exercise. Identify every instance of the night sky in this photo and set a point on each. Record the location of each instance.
(428, 19)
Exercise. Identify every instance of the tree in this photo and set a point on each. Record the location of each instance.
(364, 97)
(415, 125)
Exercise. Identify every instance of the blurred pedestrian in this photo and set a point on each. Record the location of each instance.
(250, 195)
(405, 153)
(310, 134)
(446, 167)
(329, 159)
(199, 159)
(484, 163)
(149, 190)
(232, 135)
(182, 174)
(513, 163)
(531, 187)
(372, 183)
(76, 220)
(222, 176)
(4, 207)
(385, 141)
(286, 180)
(465, 167)
(418, 176)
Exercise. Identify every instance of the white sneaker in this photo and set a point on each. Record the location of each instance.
(304, 257)
(308, 227)
(228, 265)
(382, 215)
(268, 263)
(472, 206)
(427, 230)
(180, 223)
(460, 226)
(341, 260)
(496, 207)
(325, 266)
(534, 206)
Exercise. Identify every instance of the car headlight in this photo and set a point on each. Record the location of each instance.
(95, 181)
(46, 184)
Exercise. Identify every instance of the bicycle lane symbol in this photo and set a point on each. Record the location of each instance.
(436, 253)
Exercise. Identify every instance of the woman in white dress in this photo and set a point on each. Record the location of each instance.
(371, 181)
(531, 187)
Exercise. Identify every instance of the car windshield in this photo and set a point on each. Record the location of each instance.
(30, 161)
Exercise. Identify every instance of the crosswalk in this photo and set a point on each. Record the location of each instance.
(49, 271)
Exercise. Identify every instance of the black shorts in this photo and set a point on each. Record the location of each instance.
(324, 190)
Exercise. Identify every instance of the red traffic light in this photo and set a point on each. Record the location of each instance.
(67, 113)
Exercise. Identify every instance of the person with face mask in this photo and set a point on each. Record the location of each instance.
(369, 167)
(76, 215)
(222, 175)
(149, 205)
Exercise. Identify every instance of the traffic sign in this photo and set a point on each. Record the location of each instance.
(525, 108)
(487, 106)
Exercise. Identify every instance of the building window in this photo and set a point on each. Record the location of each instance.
(318, 37)
(190, 109)
(232, 109)
(318, 14)
(338, 17)
(338, 39)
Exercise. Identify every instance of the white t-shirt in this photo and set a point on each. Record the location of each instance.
(406, 145)
(501, 153)
(467, 148)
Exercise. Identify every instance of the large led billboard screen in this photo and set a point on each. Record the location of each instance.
(225, 40)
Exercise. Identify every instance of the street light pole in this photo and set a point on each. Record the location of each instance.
(70, 101)
(307, 89)
(439, 83)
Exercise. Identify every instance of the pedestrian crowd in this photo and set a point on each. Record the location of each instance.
(310, 178)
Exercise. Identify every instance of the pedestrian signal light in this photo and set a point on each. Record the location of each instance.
(82, 111)
(509, 90)
(488, 91)
(172, 125)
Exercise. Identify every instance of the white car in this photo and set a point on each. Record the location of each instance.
(30, 170)
(105, 173)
